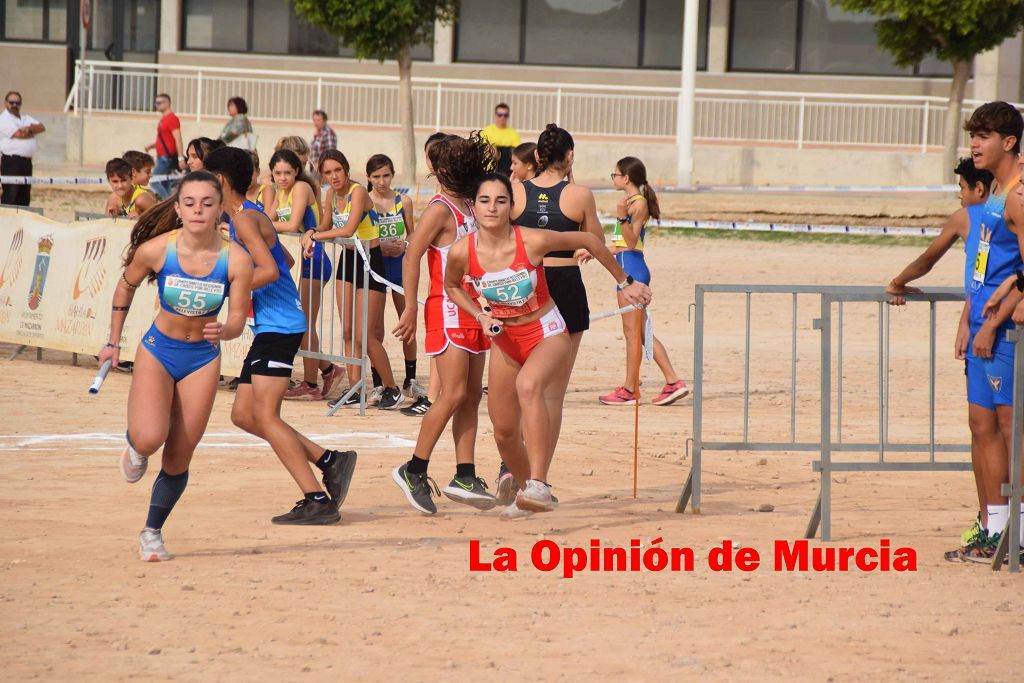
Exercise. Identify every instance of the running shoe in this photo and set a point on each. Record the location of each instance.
(338, 476)
(233, 385)
(413, 389)
(513, 513)
(671, 393)
(507, 487)
(417, 409)
(470, 490)
(309, 513)
(484, 391)
(981, 550)
(419, 489)
(373, 398)
(390, 399)
(330, 380)
(352, 400)
(968, 538)
(620, 396)
(536, 497)
(303, 392)
(151, 546)
(133, 464)
(125, 366)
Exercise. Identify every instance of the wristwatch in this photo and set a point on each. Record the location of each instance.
(627, 282)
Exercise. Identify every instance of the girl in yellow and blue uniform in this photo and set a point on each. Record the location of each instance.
(638, 205)
(178, 244)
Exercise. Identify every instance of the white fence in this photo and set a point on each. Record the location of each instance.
(785, 118)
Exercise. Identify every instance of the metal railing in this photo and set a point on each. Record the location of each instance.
(830, 440)
(772, 117)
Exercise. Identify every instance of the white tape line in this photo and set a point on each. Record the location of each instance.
(88, 180)
(649, 339)
(612, 314)
(740, 226)
(379, 278)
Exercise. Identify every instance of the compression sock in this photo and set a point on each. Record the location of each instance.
(417, 465)
(325, 461)
(998, 515)
(377, 381)
(410, 370)
(312, 385)
(465, 471)
(167, 489)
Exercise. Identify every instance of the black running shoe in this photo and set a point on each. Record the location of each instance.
(470, 491)
(417, 409)
(310, 512)
(338, 475)
(353, 400)
(391, 399)
(125, 366)
(419, 489)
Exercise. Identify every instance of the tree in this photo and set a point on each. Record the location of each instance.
(384, 29)
(953, 30)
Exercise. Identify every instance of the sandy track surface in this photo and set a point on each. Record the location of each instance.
(388, 594)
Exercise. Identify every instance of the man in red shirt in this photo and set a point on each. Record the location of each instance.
(168, 146)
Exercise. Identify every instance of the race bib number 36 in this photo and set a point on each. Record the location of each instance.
(392, 227)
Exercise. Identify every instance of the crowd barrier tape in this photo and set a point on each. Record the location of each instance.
(57, 282)
(875, 189)
(739, 226)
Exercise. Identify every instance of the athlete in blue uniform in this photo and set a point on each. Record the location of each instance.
(279, 324)
(178, 361)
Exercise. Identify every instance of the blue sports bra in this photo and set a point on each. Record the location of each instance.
(184, 294)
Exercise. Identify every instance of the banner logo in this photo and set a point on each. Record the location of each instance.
(12, 264)
(35, 293)
(91, 272)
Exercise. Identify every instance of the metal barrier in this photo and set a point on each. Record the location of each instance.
(30, 209)
(326, 311)
(778, 117)
(829, 441)
(93, 216)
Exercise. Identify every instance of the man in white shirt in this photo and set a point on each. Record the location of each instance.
(17, 147)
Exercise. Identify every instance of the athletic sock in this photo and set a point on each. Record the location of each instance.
(377, 381)
(316, 497)
(410, 370)
(417, 465)
(167, 489)
(997, 517)
(311, 385)
(325, 460)
(465, 471)
(328, 371)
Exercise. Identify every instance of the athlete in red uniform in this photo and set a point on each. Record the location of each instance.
(454, 339)
(527, 328)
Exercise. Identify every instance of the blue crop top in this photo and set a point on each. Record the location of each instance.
(185, 294)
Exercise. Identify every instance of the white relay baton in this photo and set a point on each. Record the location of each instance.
(100, 376)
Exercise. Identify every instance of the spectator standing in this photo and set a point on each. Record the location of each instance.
(168, 145)
(503, 137)
(238, 131)
(323, 139)
(17, 147)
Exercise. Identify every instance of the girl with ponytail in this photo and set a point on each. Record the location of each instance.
(639, 204)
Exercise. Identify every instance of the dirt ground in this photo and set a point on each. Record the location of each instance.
(388, 595)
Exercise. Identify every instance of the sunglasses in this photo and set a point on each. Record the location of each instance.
(14, 103)
(501, 116)
(617, 175)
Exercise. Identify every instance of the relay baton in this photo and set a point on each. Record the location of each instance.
(100, 376)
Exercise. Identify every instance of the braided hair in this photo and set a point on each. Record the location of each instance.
(553, 147)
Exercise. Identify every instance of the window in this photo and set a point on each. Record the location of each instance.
(37, 20)
(604, 33)
(811, 36)
(262, 26)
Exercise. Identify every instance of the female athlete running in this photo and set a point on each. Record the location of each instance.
(639, 203)
(453, 337)
(178, 244)
(503, 262)
(293, 210)
(350, 208)
(393, 215)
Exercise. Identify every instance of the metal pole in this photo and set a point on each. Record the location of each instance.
(931, 382)
(199, 97)
(881, 389)
(826, 418)
(800, 124)
(839, 377)
(1015, 452)
(885, 422)
(92, 86)
(364, 323)
(687, 93)
(792, 377)
(698, 395)
(746, 373)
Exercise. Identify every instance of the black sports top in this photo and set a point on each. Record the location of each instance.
(543, 211)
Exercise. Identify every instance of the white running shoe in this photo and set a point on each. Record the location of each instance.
(513, 513)
(133, 464)
(536, 497)
(151, 546)
(414, 389)
(373, 398)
